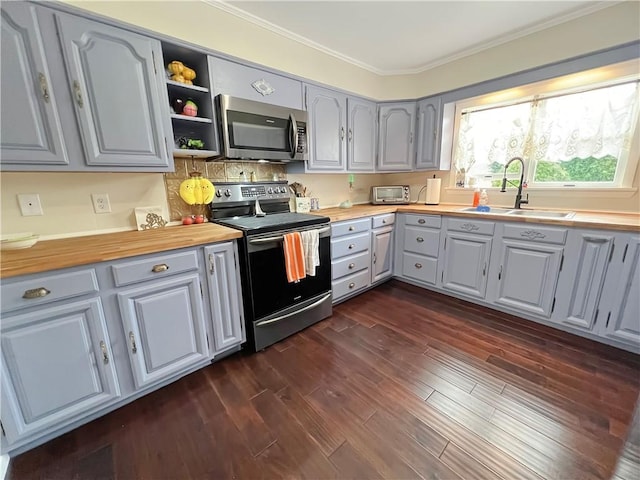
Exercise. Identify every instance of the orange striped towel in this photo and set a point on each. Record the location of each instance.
(294, 257)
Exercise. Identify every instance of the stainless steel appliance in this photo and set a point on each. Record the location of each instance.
(252, 130)
(273, 308)
(390, 195)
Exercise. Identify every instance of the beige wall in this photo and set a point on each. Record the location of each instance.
(66, 197)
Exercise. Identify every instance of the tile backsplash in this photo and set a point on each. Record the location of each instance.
(215, 172)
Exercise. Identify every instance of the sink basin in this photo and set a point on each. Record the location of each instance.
(541, 213)
(494, 210)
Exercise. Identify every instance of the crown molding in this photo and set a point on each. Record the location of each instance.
(242, 14)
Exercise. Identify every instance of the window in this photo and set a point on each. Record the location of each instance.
(568, 137)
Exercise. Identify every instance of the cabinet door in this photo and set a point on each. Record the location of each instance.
(225, 296)
(582, 277)
(361, 135)
(466, 263)
(327, 129)
(623, 324)
(382, 248)
(113, 80)
(31, 128)
(395, 140)
(56, 367)
(164, 326)
(428, 147)
(527, 276)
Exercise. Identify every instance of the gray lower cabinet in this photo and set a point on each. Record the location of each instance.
(350, 257)
(122, 124)
(30, 124)
(429, 133)
(466, 256)
(417, 248)
(622, 301)
(225, 297)
(57, 365)
(382, 247)
(164, 326)
(581, 280)
(396, 136)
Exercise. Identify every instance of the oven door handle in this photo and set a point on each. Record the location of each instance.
(283, 317)
(293, 135)
(280, 238)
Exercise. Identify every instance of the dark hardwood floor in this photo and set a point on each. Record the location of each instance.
(398, 383)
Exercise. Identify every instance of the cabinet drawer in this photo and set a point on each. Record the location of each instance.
(158, 266)
(352, 226)
(433, 221)
(350, 245)
(535, 233)
(350, 264)
(419, 268)
(383, 220)
(47, 288)
(470, 226)
(350, 284)
(425, 241)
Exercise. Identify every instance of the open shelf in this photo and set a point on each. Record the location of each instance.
(186, 153)
(176, 116)
(193, 88)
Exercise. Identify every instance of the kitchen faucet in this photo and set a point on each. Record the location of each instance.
(519, 200)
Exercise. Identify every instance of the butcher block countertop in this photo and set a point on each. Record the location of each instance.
(70, 252)
(49, 255)
(596, 220)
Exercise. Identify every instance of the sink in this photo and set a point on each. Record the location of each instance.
(541, 213)
(494, 210)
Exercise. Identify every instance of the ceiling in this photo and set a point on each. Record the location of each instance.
(402, 37)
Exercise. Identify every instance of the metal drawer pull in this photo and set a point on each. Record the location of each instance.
(351, 285)
(421, 221)
(44, 87)
(419, 239)
(132, 339)
(418, 265)
(78, 93)
(384, 221)
(161, 267)
(351, 246)
(352, 266)
(36, 293)
(352, 228)
(297, 312)
(280, 238)
(105, 354)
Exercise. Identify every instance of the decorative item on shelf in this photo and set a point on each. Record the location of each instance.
(186, 143)
(196, 190)
(177, 104)
(181, 73)
(190, 108)
(149, 218)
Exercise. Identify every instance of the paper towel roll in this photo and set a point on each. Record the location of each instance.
(433, 191)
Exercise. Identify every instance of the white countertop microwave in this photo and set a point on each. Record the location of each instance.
(390, 195)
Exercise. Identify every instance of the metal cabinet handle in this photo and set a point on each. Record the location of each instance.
(421, 221)
(44, 87)
(341, 133)
(350, 135)
(161, 267)
(352, 266)
(375, 259)
(419, 239)
(500, 273)
(351, 285)
(105, 354)
(132, 339)
(351, 246)
(484, 269)
(418, 265)
(36, 293)
(351, 229)
(411, 137)
(212, 263)
(78, 93)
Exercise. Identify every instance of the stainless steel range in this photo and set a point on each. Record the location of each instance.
(273, 307)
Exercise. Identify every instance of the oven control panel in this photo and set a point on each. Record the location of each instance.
(238, 192)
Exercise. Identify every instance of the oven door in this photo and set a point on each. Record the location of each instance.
(270, 290)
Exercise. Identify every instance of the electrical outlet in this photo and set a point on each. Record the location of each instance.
(101, 203)
(30, 204)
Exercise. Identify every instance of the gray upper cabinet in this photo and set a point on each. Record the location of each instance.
(231, 78)
(580, 283)
(429, 133)
(327, 129)
(623, 319)
(361, 135)
(30, 125)
(396, 137)
(115, 78)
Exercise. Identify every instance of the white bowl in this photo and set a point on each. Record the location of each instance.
(14, 241)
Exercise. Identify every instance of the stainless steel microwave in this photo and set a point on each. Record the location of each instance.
(390, 195)
(252, 130)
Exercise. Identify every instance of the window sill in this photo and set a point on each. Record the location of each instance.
(623, 192)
